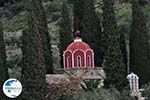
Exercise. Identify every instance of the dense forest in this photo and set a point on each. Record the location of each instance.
(35, 33)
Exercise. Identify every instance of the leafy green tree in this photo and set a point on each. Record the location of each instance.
(66, 35)
(139, 46)
(3, 68)
(87, 22)
(42, 29)
(113, 63)
(33, 70)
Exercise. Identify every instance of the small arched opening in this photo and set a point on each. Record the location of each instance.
(79, 64)
(68, 62)
(88, 61)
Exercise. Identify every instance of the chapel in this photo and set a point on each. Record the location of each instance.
(78, 63)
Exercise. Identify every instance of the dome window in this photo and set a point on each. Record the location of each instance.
(88, 61)
(68, 62)
(78, 61)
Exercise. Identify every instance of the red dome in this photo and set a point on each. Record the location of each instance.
(78, 55)
(78, 44)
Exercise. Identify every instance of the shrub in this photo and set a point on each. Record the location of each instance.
(146, 92)
(90, 85)
(99, 94)
(58, 91)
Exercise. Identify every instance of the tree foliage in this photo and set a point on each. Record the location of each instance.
(33, 70)
(90, 85)
(123, 49)
(59, 90)
(78, 9)
(87, 22)
(3, 2)
(113, 63)
(42, 29)
(146, 92)
(98, 94)
(66, 35)
(3, 68)
(139, 46)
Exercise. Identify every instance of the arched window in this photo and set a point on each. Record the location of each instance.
(68, 62)
(79, 61)
(88, 61)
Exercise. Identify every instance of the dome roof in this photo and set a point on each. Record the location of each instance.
(78, 44)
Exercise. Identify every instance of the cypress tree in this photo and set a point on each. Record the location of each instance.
(113, 63)
(33, 71)
(3, 68)
(78, 9)
(38, 12)
(91, 31)
(86, 21)
(123, 49)
(139, 46)
(66, 35)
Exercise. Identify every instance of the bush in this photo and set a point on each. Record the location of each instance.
(69, 90)
(90, 85)
(146, 92)
(60, 90)
(98, 94)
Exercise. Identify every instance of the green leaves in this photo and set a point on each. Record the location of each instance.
(90, 85)
(98, 94)
(146, 92)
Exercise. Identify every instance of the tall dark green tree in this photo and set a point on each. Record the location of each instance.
(66, 35)
(123, 49)
(33, 70)
(113, 63)
(139, 46)
(39, 13)
(86, 21)
(3, 68)
(78, 9)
